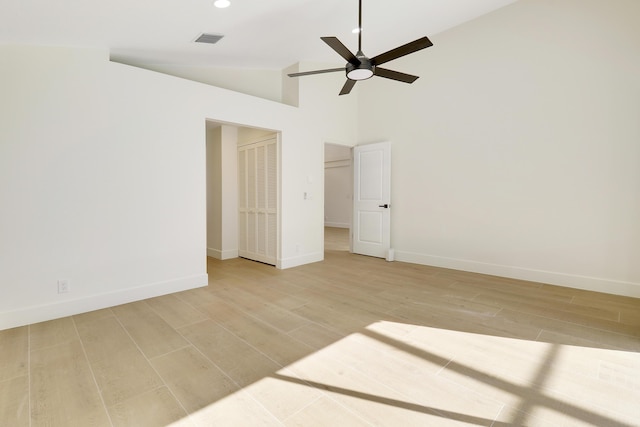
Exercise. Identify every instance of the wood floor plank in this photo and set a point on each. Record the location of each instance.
(315, 336)
(203, 300)
(585, 316)
(124, 375)
(104, 338)
(174, 311)
(283, 398)
(239, 409)
(14, 349)
(342, 322)
(276, 345)
(53, 332)
(558, 309)
(509, 293)
(150, 332)
(630, 317)
(120, 369)
(14, 402)
(336, 239)
(276, 295)
(565, 338)
(154, 408)
(563, 415)
(235, 357)
(92, 316)
(478, 323)
(599, 298)
(419, 396)
(372, 300)
(193, 379)
(607, 337)
(611, 396)
(277, 317)
(325, 412)
(63, 391)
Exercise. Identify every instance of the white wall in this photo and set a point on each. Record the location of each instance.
(517, 151)
(318, 97)
(229, 192)
(331, 118)
(214, 189)
(222, 191)
(102, 180)
(263, 83)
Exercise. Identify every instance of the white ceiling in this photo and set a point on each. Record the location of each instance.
(258, 33)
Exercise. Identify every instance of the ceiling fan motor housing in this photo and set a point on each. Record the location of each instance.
(362, 71)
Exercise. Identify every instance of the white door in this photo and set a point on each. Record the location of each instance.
(371, 200)
(258, 200)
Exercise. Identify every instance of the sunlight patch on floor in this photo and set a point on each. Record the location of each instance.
(447, 377)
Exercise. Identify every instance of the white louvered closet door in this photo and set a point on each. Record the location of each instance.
(257, 201)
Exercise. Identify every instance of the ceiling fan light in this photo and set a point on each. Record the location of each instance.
(360, 74)
(222, 3)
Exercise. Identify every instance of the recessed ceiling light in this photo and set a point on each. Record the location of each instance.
(356, 30)
(221, 3)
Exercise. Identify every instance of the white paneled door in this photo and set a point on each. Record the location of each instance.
(258, 200)
(371, 200)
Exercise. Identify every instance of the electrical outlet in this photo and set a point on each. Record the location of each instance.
(63, 286)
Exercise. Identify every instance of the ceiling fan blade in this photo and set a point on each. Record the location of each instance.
(395, 75)
(403, 50)
(308, 73)
(342, 50)
(347, 87)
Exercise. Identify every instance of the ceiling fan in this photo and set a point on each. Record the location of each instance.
(360, 67)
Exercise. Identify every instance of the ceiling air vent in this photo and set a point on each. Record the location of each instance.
(209, 38)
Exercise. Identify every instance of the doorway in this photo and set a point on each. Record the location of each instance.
(227, 229)
(358, 199)
(338, 197)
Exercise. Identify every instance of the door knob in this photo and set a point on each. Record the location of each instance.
(386, 206)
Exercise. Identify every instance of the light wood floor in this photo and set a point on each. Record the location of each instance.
(351, 341)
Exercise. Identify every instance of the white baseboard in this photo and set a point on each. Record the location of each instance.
(300, 260)
(596, 284)
(222, 255)
(337, 224)
(44, 312)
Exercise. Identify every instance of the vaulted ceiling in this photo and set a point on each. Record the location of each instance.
(257, 33)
